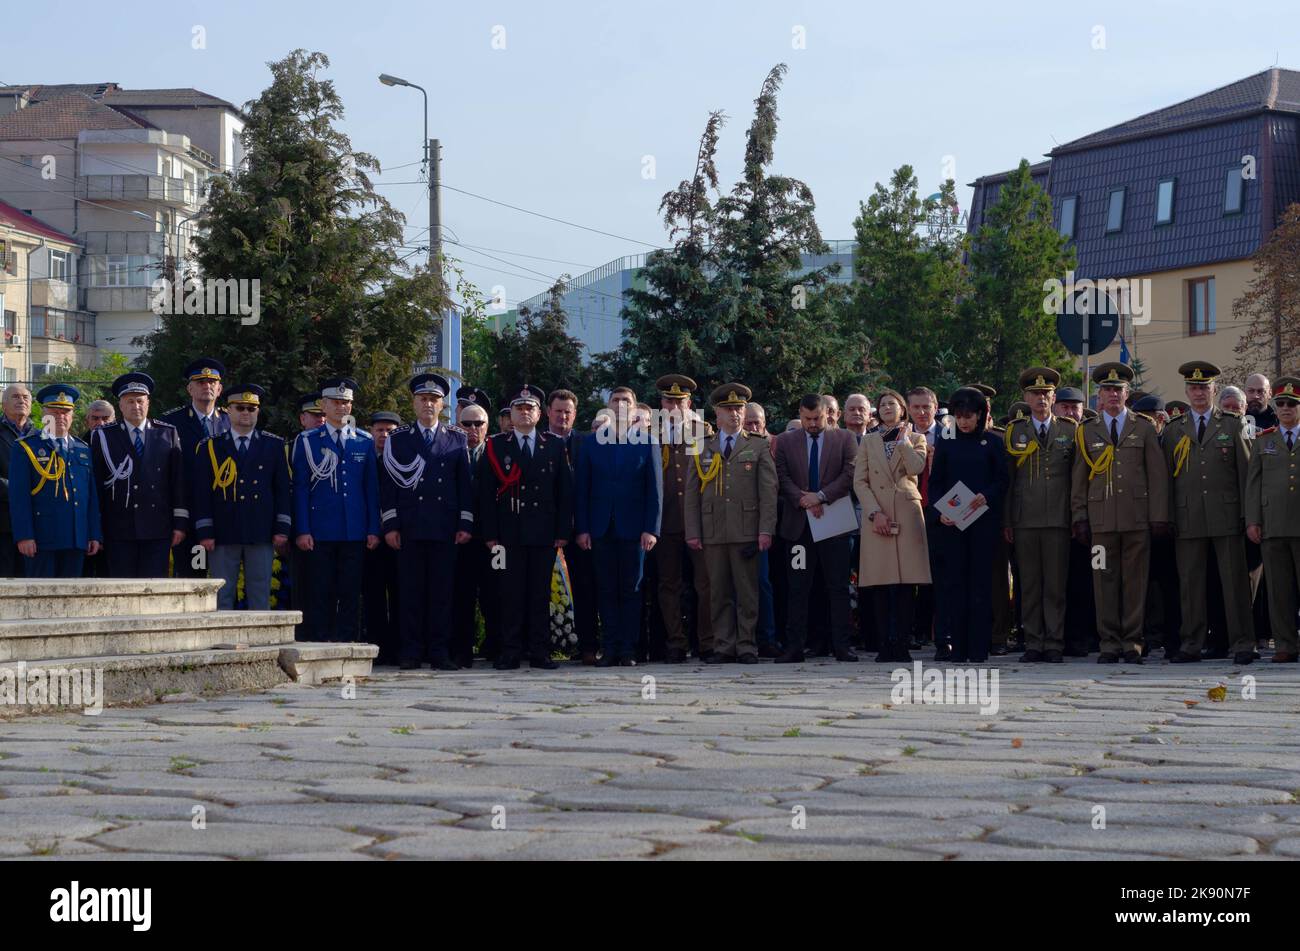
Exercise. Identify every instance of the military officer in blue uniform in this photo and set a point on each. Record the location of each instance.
(426, 510)
(525, 505)
(335, 513)
(195, 422)
(138, 473)
(241, 498)
(52, 499)
(310, 416)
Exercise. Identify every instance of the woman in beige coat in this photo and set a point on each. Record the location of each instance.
(894, 555)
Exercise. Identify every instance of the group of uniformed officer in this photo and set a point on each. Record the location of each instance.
(205, 476)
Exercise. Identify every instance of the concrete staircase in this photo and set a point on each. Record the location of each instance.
(153, 639)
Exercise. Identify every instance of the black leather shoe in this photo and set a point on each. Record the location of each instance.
(503, 663)
(444, 664)
(607, 661)
(1032, 657)
(769, 652)
(747, 659)
(847, 657)
(465, 662)
(717, 659)
(943, 654)
(675, 657)
(410, 665)
(1132, 657)
(1106, 657)
(627, 662)
(542, 663)
(1181, 658)
(703, 657)
(999, 651)
(1243, 657)
(1053, 657)
(791, 657)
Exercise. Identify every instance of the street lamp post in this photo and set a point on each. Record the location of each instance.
(449, 331)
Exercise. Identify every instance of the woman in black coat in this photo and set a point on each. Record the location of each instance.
(968, 454)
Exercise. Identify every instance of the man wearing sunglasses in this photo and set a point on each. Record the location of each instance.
(474, 576)
(241, 501)
(1273, 514)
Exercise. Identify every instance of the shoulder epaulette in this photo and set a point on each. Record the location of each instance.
(1143, 416)
(452, 427)
(1066, 419)
(162, 425)
(1230, 412)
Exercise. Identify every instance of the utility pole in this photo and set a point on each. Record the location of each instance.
(450, 329)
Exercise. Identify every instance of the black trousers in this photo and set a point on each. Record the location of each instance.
(929, 617)
(525, 596)
(967, 592)
(300, 589)
(9, 566)
(832, 555)
(379, 604)
(892, 606)
(582, 578)
(1080, 608)
(183, 559)
(475, 587)
(137, 559)
(1162, 599)
(426, 574)
(335, 611)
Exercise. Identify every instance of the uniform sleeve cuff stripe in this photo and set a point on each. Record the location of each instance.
(467, 516)
(181, 513)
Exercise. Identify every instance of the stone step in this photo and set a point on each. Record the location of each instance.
(105, 597)
(316, 663)
(68, 637)
(173, 675)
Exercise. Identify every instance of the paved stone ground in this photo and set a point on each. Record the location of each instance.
(579, 765)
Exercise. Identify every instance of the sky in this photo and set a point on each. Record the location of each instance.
(590, 112)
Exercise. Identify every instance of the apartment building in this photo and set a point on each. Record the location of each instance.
(125, 173)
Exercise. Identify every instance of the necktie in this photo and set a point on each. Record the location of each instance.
(726, 450)
(1290, 442)
(1042, 434)
(1200, 428)
(139, 443)
(428, 438)
(243, 445)
(1114, 432)
(207, 426)
(338, 440)
(528, 447)
(814, 465)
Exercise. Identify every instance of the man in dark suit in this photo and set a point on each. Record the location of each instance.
(195, 422)
(240, 488)
(616, 515)
(814, 468)
(561, 412)
(475, 581)
(14, 425)
(138, 471)
(525, 511)
(427, 511)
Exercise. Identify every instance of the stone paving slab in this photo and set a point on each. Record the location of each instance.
(759, 763)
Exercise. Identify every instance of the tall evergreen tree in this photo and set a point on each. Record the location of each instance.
(731, 299)
(908, 278)
(337, 296)
(1013, 253)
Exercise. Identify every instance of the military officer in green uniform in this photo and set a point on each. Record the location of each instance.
(730, 514)
(1273, 513)
(1207, 456)
(681, 433)
(1036, 518)
(1119, 498)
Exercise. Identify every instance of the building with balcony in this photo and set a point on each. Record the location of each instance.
(43, 325)
(125, 172)
(1179, 199)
